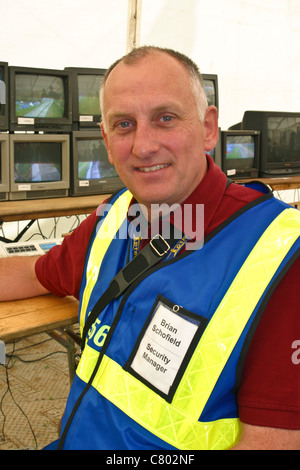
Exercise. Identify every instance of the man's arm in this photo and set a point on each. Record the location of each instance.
(18, 279)
(265, 438)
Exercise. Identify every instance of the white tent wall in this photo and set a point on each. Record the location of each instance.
(252, 45)
(62, 33)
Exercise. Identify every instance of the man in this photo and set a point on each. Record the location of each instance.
(165, 353)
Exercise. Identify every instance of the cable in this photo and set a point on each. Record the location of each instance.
(18, 406)
(35, 360)
(10, 363)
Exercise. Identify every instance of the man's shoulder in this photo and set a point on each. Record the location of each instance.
(245, 192)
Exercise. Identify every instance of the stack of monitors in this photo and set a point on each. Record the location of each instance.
(53, 146)
(91, 172)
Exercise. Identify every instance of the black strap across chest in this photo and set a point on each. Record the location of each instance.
(148, 257)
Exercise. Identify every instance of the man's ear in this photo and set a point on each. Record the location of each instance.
(104, 135)
(211, 127)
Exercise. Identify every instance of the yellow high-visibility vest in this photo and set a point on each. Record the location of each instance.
(179, 423)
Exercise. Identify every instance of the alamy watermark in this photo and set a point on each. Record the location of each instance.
(296, 353)
(2, 92)
(176, 221)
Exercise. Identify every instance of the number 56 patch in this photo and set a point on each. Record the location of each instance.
(98, 333)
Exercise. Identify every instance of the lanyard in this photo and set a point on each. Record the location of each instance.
(137, 240)
(177, 248)
(148, 257)
(136, 244)
(139, 261)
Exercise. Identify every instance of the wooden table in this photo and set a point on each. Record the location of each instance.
(11, 211)
(277, 184)
(44, 314)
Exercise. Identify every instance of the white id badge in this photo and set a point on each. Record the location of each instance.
(164, 346)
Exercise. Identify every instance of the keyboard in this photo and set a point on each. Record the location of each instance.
(37, 247)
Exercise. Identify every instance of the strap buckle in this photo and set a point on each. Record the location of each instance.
(160, 249)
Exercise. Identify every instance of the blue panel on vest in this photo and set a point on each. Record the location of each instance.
(258, 186)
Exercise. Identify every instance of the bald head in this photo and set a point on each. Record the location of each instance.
(139, 54)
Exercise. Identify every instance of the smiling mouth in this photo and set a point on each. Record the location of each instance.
(151, 169)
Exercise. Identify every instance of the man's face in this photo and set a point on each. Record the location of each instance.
(152, 130)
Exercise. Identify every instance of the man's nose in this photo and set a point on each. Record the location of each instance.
(145, 143)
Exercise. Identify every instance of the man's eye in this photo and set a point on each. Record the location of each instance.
(121, 125)
(124, 124)
(167, 118)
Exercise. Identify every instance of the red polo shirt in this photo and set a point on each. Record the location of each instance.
(269, 394)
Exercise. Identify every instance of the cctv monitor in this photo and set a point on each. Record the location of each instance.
(240, 153)
(39, 166)
(40, 100)
(91, 171)
(86, 84)
(280, 141)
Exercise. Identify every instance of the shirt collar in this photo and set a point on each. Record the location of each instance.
(208, 193)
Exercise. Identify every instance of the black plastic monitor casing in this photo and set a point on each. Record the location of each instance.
(41, 124)
(275, 159)
(83, 187)
(86, 121)
(242, 167)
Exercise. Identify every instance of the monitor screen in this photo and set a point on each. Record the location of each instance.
(39, 165)
(86, 84)
(92, 172)
(209, 88)
(39, 96)
(40, 100)
(240, 153)
(240, 149)
(37, 162)
(279, 141)
(210, 83)
(93, 160)
(88, 94)
(283, 139)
